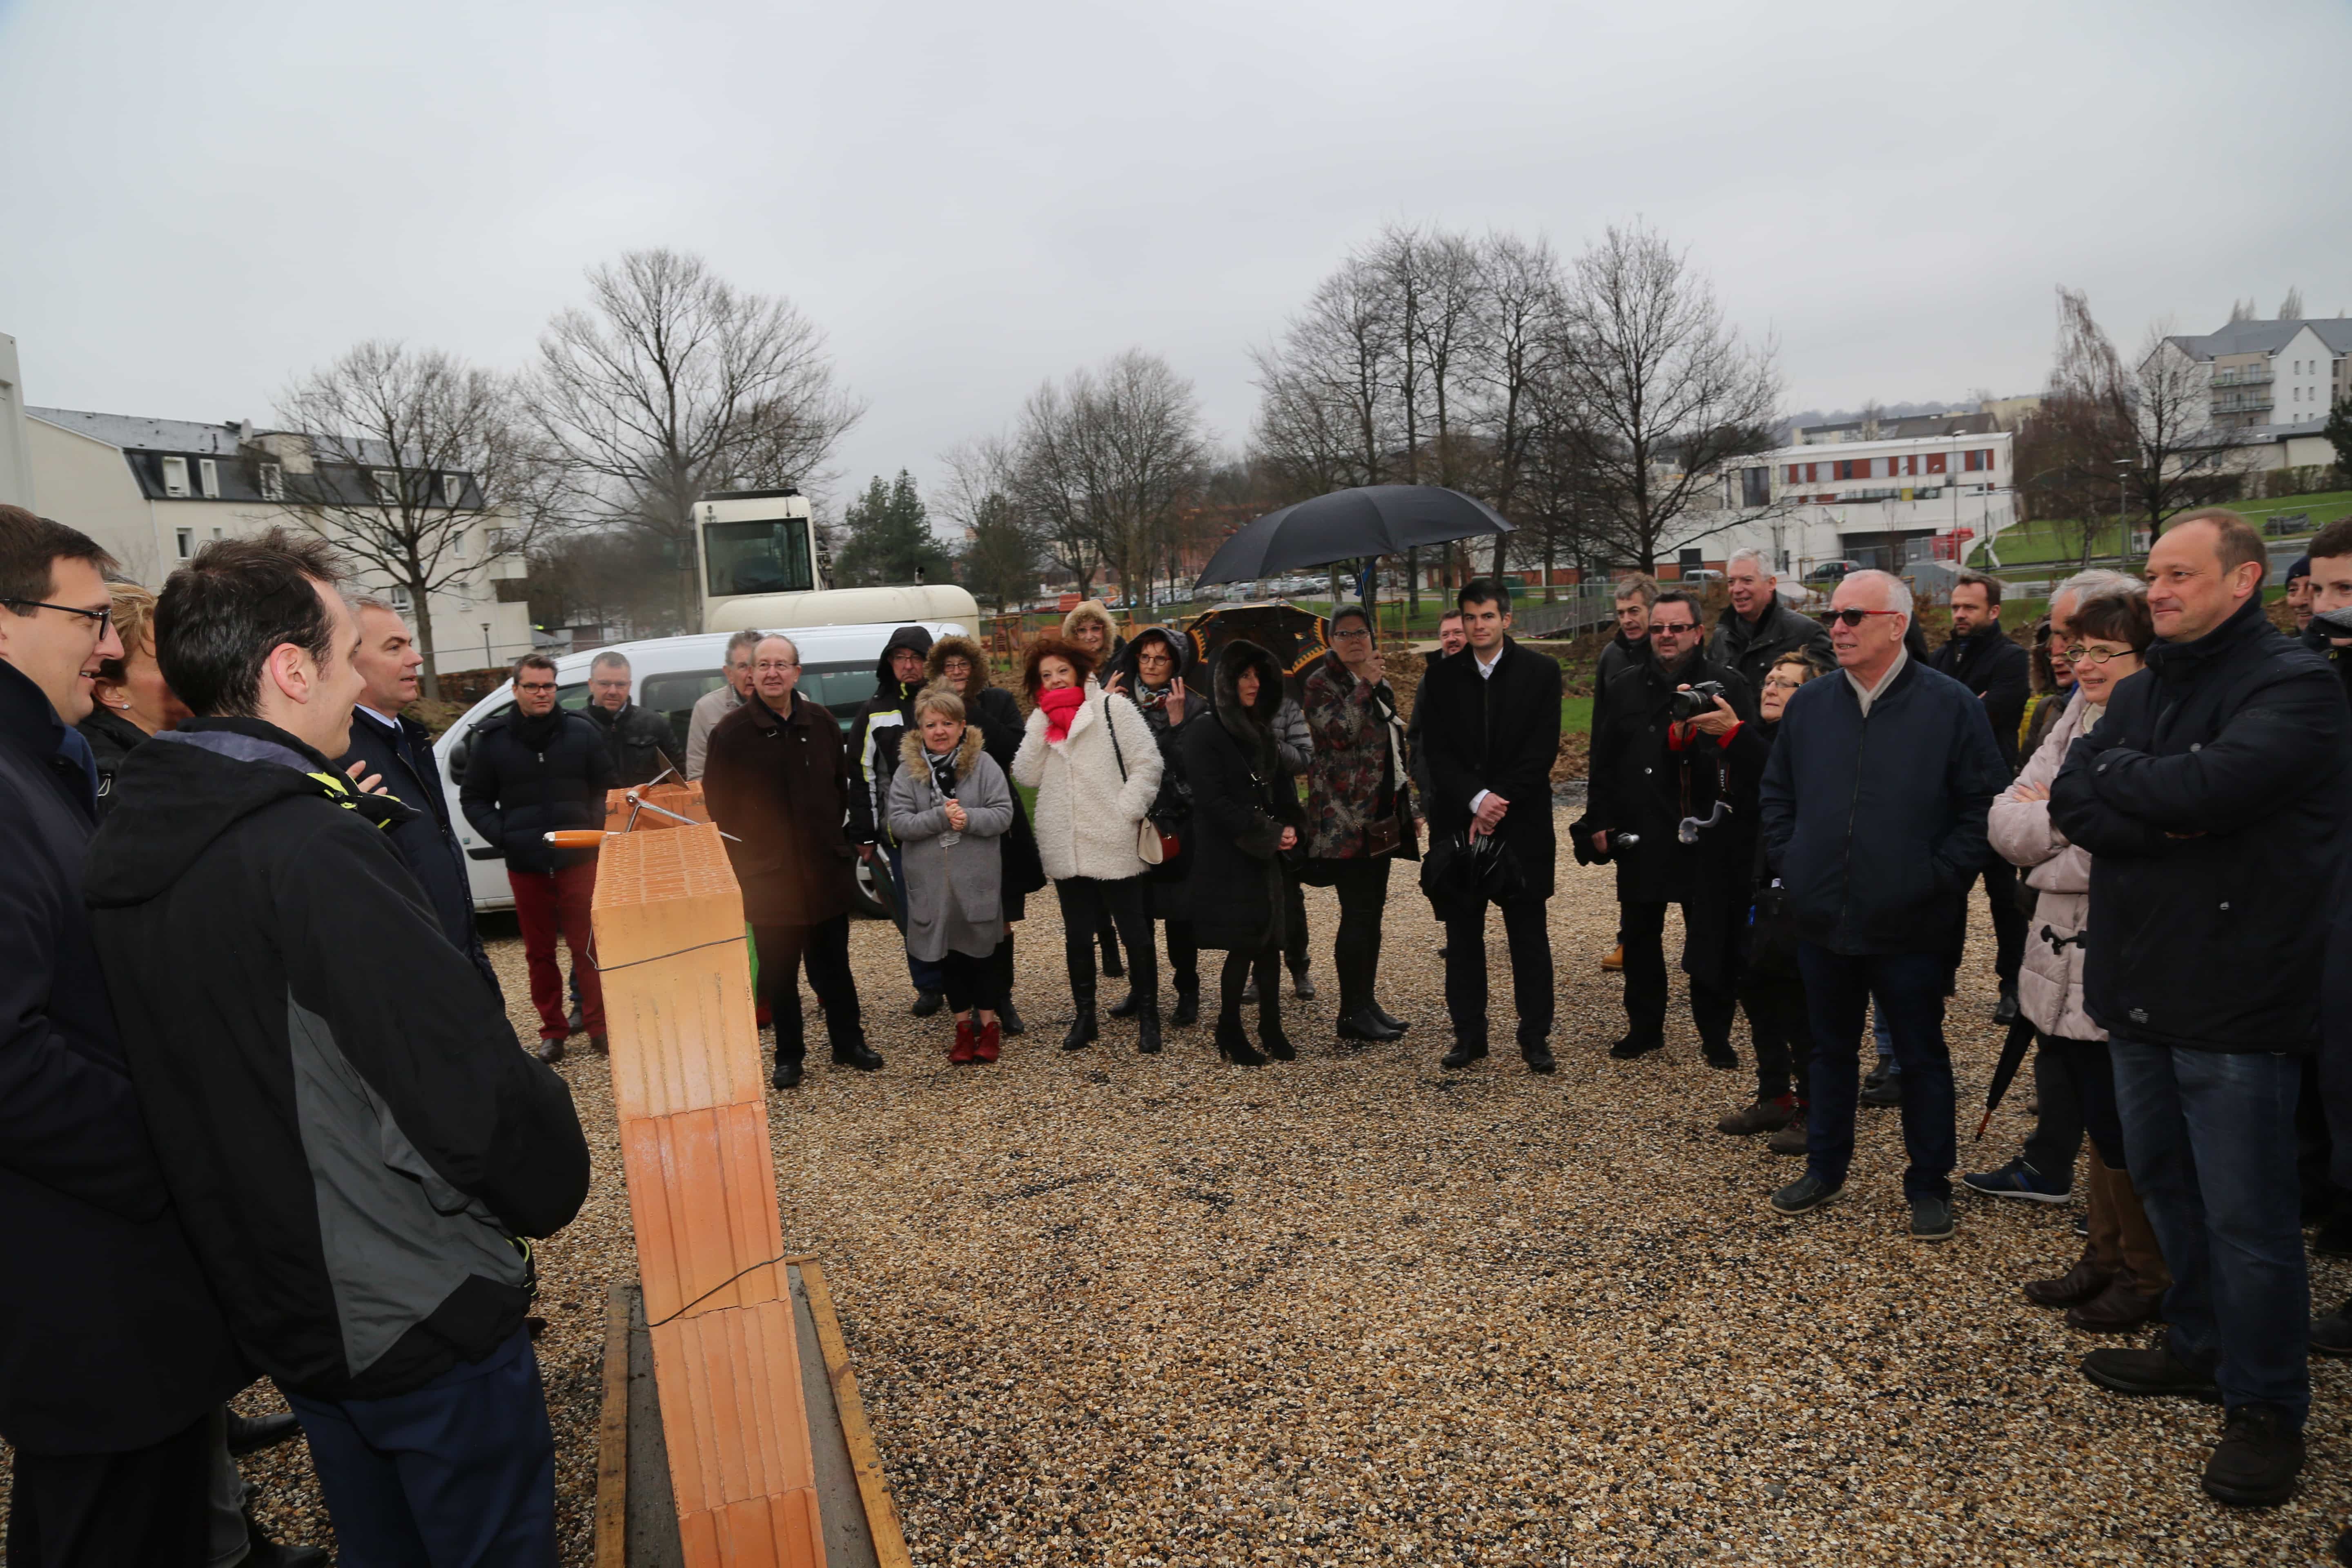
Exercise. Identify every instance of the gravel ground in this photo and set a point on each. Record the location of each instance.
(1112, 1309)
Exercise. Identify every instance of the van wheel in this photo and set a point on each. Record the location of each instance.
(869, 902)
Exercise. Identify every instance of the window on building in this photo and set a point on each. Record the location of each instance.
(387, 487)
(453, 489)
(1935, 462)
(208, 478)
(175, 476)
(402, 600)
(185, 538)
(220, 533)
(273, 482)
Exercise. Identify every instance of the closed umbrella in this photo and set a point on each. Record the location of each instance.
(1370, 519)
(2021, 1035)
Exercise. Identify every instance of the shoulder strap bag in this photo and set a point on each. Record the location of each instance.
(1151, 845)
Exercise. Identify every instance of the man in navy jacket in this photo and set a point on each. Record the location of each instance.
(2212, 797)
(1874, 803)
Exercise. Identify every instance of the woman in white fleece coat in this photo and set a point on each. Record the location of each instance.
(2120, 1280)
(1095, 765)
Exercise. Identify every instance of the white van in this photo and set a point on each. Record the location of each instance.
(671, 673)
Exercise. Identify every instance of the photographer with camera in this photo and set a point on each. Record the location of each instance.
(1674, 767)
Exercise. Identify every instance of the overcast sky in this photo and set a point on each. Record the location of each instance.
(198, 203)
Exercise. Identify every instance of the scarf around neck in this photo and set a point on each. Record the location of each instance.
(1061, 707)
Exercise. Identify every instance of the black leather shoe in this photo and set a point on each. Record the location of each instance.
(1538, 1056)
(1233, 1045)
(2153, 1372)
(1633, 1046)
(1126, 1005)
(1887, 1091)
(927, 1002)
(1302, 985)
(549, 1051)
(1009, 1021)
(1464, 1053)
(2258, 1459)
(1875, 1076)
(263, 1553)
(865, 1058)
(1187, 1011)
(2005, 1011)
(1722, 1057)
(1360, 1025)
(787, 1076)
(1391, 1019)
(1146, 1031)
(251, 1434)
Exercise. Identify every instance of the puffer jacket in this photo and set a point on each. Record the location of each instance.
(1087, 811)
(2050, 986)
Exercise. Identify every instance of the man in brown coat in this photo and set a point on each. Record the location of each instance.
(777, 778)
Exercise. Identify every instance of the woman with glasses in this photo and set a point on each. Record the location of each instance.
(1358, 810)
(2119, 1281)
(133, 701)
(1150, 672)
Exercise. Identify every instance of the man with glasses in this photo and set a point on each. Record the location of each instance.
(2212, 798)
(114, 1360)
(535, 769)
(1682, 788)
(1874, 801)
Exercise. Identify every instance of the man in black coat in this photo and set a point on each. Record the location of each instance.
(1874, 801)
(357, 1147)
(639, 740)
(532, 771)
(1758, 629)
(114, 1359)
(2214, 797)
(1451, 640)
(1649, 775)
(1979, 656)
(1491, 730)
(398, 751)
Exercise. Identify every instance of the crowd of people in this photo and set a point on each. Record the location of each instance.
(264, 1111)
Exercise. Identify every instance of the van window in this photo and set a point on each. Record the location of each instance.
(674, 696)
(841, 689)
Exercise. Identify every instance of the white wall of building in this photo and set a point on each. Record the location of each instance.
(1828, 501)
(15, 461)
(2306, 373)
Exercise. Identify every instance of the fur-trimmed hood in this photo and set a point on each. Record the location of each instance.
(917, 761)
(1252, 726)
(1091, 610)
(935, 669)
(1187, 663)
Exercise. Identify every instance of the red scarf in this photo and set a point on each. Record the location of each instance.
(1061, 706)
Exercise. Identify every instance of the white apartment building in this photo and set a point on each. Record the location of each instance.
(2267, 378)
(1886, 503)
(154, 492)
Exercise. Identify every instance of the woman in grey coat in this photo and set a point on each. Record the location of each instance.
(949, 806)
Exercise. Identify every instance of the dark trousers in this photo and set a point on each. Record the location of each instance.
(2211, 1140)
(1362, 885)
(2008, 921)
(458, 1473)
(969, 982)
(1529, 937)
(825, 946)
(1910, 987)
(1086, 904)
(1782, 1029)
(921, 970)
(2056, 1141)
(1642, 928)
(1241, 967)
(2089, 1074)
(545, 902)
(1294, 914)
(1183, 954)
(146, 1507)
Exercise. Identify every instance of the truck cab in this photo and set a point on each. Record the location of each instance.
(764, 568)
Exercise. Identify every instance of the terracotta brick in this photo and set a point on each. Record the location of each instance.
(702, 1199)
(685, 799)
(732, 1410)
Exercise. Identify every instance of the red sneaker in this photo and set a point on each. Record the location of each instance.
(965, 1043)
(992, 1036)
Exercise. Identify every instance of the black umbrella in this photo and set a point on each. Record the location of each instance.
(1371, 519)
(2021, 1034)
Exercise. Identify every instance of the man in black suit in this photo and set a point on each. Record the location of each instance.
(1979, 656)
(399, 751)
(1491, 731)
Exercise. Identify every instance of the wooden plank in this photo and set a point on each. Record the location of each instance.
(873, 1484)
(613, 1435)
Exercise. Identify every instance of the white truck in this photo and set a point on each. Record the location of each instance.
(764, 567)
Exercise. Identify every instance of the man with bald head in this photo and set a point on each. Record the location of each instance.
(2212, 798)
(1874, 803)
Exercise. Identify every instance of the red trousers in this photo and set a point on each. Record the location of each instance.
(545, 902)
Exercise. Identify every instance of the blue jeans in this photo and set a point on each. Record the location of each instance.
(927, 975)
(1909, 987)
(1884, 1032)
(2211, 1140)
(458, 1473)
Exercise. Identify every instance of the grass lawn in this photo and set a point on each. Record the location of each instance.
(2047, 543)
(1575, 715)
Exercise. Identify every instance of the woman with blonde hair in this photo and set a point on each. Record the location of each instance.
(948, 807)
(134, 702)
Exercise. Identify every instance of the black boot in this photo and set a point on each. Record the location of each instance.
(1125, 1006)
(1467, 1049)
(1233, 1045)
(1146, 1027)
(1364, 1026)
(1083, 1027)
(1188, 1001)
(1269, 1025)
(1008, 1020)
(1388, 1018)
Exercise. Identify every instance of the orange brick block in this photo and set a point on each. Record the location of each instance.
(739, 1458)
(702, 1197)
(685, 799)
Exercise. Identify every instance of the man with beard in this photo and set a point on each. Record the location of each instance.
(1685, 788)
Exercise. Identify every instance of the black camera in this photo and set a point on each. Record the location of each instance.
(1699, 698)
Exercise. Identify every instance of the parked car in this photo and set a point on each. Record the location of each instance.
(671, 674)
(1830, 571)
(1701, 575)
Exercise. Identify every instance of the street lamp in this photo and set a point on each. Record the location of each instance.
(487, 660)
(2123, 542)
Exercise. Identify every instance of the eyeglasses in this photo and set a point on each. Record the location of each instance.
(534, 686)
(1673, 628)
(1780, 683)
(103, 617)
(2080, 653)
(1352, 634)
(1853, 617)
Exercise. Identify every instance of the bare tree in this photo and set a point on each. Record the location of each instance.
(1104, 462)
(1520, 302)
(1665, 394)
(2290, 308)
(407, 461)
(674, 384)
